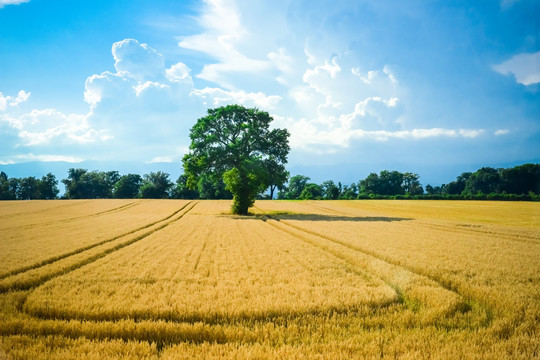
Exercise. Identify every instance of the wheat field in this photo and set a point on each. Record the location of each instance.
(175, 279)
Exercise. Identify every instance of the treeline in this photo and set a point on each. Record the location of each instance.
(28, 188)
(84, 184)
(517, 183)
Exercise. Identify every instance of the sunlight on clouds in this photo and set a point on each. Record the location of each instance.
(141, 87)
(138, 60)
(222, 28)
(272, 56)
(525, 67)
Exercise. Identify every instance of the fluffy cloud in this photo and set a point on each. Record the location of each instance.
(6, 101)
(525, 68)
(146, 103)
(138, 60)
(41, 127)
(179, 73)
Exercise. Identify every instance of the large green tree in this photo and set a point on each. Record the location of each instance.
(235, 144)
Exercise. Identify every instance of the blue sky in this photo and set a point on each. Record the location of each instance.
(433, 87)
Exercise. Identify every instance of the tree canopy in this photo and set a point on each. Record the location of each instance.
(235, 144)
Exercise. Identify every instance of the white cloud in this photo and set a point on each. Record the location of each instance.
(179, 73)
(12, 2)
(281, 59)
(6, 101)
(142, 87)
(219, 97)
(223, 32)
(106, 85)
(470, 133)
(138, 60)
(42, 157)
(525, 67)
(162, 159)
(502, 132)
(43, 126)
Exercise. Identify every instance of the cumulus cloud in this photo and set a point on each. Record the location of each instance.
(12, 2)
(43, 126)
(138, 60)
(6, 101)
(179, 73)
(525, 67)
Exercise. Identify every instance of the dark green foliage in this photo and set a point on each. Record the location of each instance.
(458, 186)
(235, 144)
(277, 175)
(82, 184)
(156, 185)
(391, 183)
(5, 191)
(212, 186)
(486, 180)
(521, 179)
(28, 188)
(48, 187)
(411, 184)
(127, 186)
(330, 191)
(311, 192)
(294, 188)
(349, 192)
(181, 190)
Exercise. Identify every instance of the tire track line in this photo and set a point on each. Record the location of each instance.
(69, 220)
(454, 228)
(38, 280)
(84, 248)
(43, 210)
(396, 278)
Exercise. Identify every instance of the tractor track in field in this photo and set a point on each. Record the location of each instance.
(72, 219)
(79, 202)
(36, 281)
(196, 328)
(456, 227)
(305, 234)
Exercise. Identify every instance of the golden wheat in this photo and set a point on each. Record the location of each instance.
(47, 232)
(312, 279)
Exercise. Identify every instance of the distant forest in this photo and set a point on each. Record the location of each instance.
(517, 183)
